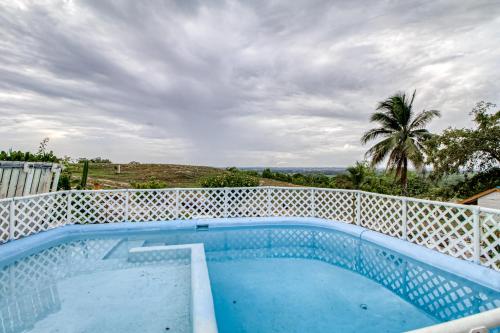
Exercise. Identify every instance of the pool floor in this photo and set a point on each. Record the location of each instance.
(293, 295)
(130, 300)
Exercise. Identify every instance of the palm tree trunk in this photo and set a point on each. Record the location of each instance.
(404, 177)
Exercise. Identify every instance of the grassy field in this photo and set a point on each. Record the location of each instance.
(105, 175)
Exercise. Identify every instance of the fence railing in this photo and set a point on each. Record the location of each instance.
(467, 232)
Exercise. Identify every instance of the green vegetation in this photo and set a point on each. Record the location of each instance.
(476, 149)
(150, 184)
(233, 178)
(105, 175)
(318, 180)
(85, 175)
(403, 134)
(463, 161)
(42, 155)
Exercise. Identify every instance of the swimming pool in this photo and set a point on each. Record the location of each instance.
(275, 277)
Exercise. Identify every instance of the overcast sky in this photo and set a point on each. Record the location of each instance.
(275, 83)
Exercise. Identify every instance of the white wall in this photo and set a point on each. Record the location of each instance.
(491, 200)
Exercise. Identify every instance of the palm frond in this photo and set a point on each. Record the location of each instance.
(374, 133)
(414, 153)
(385, 119)
(424, 118)
(380, 150)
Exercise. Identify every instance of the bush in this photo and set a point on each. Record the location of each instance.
(64, 182)
(13, 155)
(150, 184)
(233, 179)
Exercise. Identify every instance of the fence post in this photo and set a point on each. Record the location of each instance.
(224, 213)
(55, 179)
(477, 235)
(30, 173)
(358, 208)
(404, 217)
(177, 211)
(127, 205)
(68, 211)
(269, 208)
(313, 203)
(12, 219)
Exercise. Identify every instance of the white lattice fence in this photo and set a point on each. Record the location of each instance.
(490, 238)
(247, 202)
(4, 220)
(457, 230)
(39, 213)
(195, 203)
(335, 205)
(445, 228)
(289, 202)
(98, 206)
(152, 205)
(382, 213)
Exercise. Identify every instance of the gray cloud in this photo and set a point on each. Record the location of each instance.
(234, 83)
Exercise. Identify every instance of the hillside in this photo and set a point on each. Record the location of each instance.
(104, 175)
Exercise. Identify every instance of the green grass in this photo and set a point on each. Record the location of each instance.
(105, 176)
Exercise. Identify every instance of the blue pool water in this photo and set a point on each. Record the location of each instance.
(263, 279)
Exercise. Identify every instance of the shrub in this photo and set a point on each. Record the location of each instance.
(233, 179)
(64, 182)
(150, 184)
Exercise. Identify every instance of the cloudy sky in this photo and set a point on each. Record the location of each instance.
(278, 83)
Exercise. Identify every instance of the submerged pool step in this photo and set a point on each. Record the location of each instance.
(202, 308)
(120, 250)
(159, 253)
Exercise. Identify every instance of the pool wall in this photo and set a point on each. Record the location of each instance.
(470, 233)
(468, 270)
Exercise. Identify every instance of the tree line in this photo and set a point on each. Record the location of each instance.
(457, 163)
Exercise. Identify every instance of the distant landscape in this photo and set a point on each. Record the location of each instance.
(133, 175)
(328, 171)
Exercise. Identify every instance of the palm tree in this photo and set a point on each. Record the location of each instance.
(403, 134)
(357, 174)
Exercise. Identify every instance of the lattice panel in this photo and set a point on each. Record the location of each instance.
(336, 248)
(382, 214)
(443, 295)
(490, 240)
(246, 202)
(382, 266)
(98, 207)
(291, 202)
(201, 203)
(152, 205)
(22, 313)
(438, 293)
(333, 205)
(447, 229)
(4, 220)
(39, 213)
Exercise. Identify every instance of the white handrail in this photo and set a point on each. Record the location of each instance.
(478, 323)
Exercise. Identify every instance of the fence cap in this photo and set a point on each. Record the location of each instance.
(25, 165)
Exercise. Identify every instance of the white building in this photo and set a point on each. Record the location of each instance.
(489, 198)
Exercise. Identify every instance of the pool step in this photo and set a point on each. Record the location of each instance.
(120, 250)
(168, 253)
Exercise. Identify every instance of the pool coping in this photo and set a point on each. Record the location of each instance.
(466, 269)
